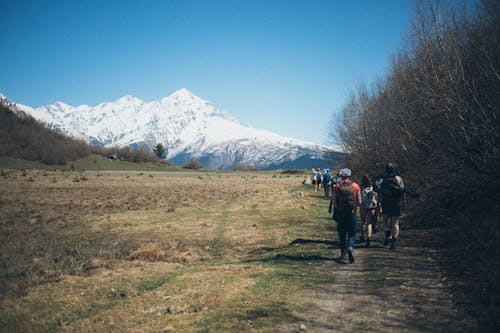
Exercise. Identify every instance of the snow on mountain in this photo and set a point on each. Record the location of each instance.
(11, 106)
(187, 125)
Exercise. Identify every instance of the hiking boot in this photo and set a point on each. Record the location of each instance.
(393, 244)
(368, 242)
(351, 257)
(386, 240)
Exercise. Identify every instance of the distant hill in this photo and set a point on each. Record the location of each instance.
(188, 126)
(21, 136)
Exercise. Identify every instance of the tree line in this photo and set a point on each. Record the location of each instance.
(22, 136)
(436, 114)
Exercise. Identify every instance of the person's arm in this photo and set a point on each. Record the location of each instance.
(402, 185)
(332, 199)
(330, 207)
(358, 199)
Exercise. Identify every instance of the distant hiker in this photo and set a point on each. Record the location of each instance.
(319, 178)
(314, 178)
(335, 180)
(346, 198)
(368, 209)
(327, 182)
(392, 197)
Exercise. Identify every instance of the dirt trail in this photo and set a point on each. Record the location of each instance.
(385, 290)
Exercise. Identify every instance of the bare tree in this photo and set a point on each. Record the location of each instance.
(436, 115)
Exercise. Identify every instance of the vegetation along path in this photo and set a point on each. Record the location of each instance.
(205, 252)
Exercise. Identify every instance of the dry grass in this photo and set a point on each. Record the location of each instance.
(140, 252)
(191, 252)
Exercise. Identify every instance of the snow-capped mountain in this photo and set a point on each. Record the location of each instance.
(187, 125)
(11, 106)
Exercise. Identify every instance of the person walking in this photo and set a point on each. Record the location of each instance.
(346, 198)
(327, 182)
(393, 202)
(367, 209)
(314, 178)
(319, 178)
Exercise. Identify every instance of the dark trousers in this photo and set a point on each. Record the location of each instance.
(346, 227)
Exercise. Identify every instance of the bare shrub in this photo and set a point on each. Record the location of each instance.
(193, 164)
(292, 172)
(137, 154)
(24, 137)
(245, 167)
(148, 252)
(92, 264)
(436, 115)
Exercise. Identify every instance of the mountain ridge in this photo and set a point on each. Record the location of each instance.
(187, 125)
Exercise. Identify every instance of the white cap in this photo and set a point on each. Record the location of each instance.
(345, 172)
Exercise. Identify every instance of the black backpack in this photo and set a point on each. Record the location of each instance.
(388, 187)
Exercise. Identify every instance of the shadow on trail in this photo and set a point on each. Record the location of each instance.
(312, 241)
(399, 291)
(295, 252)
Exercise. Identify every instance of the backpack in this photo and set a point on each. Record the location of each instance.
(389, 187)
(346, 198)
(327, 178)
(319, 175)
(368, 198)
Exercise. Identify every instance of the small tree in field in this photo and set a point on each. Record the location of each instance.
(159, 151)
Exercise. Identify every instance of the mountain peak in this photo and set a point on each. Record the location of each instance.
(61, 105)
(128, 99)
(183, 94)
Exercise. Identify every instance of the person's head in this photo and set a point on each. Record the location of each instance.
(366, 181)
(345, 173)
(318, 169)
(391, 168)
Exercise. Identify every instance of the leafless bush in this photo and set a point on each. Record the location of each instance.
(293, 172)
(24, 137)
(245, 167)
(140, 153)
(436, 115)
(193, 164)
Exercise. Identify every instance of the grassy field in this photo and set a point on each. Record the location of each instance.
(139, 252)
(201, 252)
(93, 162)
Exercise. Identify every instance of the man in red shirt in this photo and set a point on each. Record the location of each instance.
(346, 198)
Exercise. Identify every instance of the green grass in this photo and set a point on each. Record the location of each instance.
(269, 303)
(154, 283)
(14, 163)
(91, 163)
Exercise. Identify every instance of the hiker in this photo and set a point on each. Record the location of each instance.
(368, 209)
(346, 198)
(319, 178)
(393, 202)
(327, 182)
(314, 178)
(335, 180)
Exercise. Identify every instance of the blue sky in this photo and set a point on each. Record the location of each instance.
(284, 66)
